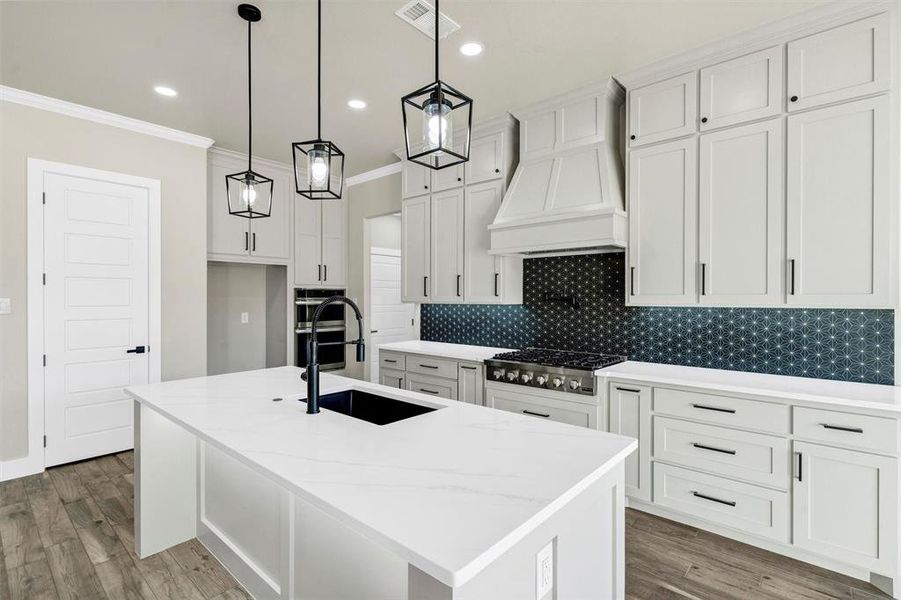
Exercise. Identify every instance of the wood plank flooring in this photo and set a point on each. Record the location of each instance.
(68, 534)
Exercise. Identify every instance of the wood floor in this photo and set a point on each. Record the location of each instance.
(67, 534)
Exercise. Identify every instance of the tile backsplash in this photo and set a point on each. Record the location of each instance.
(844, 344)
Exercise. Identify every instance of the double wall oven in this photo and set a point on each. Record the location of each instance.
(331, 328)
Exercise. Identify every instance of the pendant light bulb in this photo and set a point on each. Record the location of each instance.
(249, 194)
(436, 125)
(318, 169)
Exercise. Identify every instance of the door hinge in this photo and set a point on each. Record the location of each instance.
(43, 197)
(45, 360)
(45, 441)
(43, 279)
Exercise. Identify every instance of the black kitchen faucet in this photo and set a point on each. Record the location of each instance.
(311, 375)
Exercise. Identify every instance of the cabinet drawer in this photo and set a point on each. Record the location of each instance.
(740, 454)
(723, 410)
(562, 412)
(392, 360)
(437, 367)
(433, 386)
(845, 429)
(741, 506)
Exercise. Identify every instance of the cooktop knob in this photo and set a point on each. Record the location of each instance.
(557, 381)
(541, 379)
(512, 375)
(498, 374)
(525, 377)
(574, 384)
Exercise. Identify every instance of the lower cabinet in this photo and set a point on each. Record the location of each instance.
(471, 383)
(630, 414)
(434, 386)
(392, 378)
(845, 505)
(433, 375)
(518, 400)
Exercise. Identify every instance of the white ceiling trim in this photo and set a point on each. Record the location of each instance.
(378, 173)
(10, 94)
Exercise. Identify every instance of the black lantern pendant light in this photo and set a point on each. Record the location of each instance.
(318, 164)
(437, 120)
(249, 193)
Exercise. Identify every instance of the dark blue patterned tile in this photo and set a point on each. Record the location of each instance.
(844, 344)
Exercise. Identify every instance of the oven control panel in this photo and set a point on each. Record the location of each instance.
(556, 379)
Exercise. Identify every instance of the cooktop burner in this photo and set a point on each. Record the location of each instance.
(561, 358)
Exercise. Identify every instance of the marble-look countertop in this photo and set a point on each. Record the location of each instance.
(805, 389)
(454, 351)
(449, 491)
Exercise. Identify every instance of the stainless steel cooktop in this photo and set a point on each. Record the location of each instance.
(556, 370)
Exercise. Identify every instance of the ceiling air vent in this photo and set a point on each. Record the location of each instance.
(421, 15)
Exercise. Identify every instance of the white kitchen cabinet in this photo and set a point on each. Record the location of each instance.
(319, 243)
(742, 89)
(663, 221)
(415, 179)
(845, 505)
(448, 178)
(392, 378)
(265, 240)
(470, 383)
(838, 64)
(433, 386)
(483, 271)
(447, 247)
(840, 215)
(415, 248)
(741, 215)
(535, 405)
(630, 414)
(663, 110)
(486, 158)
(334, 242)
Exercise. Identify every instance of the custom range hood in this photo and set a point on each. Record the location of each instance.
(566, 196)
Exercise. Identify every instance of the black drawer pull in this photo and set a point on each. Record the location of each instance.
(840, 428)
(713, 448)
(467, 368)
(428, 391)
(731, 411)
(428, 366)
(622, 389)
(390, 360)
(712, 499)
(535, 414)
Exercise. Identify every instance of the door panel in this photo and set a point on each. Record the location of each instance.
(486, 159)
(390, 319)
(308, 242)
(742, 89)
(482, 270)
(446, 281)
(96, 308)
(664, 110)
(227, 233)
(630, 414)
(415, 243)
(415, 179)
(334, 224)
(270, 237)
(741, 209)
(447, 179)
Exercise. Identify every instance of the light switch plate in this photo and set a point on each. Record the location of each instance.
(245, 317)
(544, 572)
(5, 306)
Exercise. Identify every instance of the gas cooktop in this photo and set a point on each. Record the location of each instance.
(554, 370)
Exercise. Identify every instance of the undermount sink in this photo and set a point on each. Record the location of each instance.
(371, 408)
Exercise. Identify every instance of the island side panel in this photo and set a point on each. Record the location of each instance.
(165, 483)
(589, 538)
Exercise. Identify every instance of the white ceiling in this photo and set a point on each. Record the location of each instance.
(109, 55)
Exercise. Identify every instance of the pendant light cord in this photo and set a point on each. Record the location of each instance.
(319, 70)
(437, 20)
(249, 105)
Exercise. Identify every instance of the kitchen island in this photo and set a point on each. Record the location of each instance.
(456, 503)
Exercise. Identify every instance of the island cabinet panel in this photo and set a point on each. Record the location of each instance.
(839, 206)
(664, 110)
(630, 414)
(846, 506)
(742, 89)
(841, 63)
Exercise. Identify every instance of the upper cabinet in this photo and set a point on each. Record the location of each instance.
(664, 110)
(486, 158)
(840, 217)
(793, 199)
(320, 243)
(447, 179)
(415, 249)
(742, 89)
(415, 179)
(231, 238)
(841, 63)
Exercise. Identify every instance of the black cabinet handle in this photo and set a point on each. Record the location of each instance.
(246, 241)
(467, 368)
(841, 428)
(425, 286)
(253, 243)
(713, 449)
(731, 411)
(429, 391)
(324, 272)
(703, 119)
(631, 137)
(389, 360)
(791, 265)
(458, 284)
(425, 186)
(794, 98)
(622, 389)
(800, 463)
(712, 499)
(631, 281)
(428, 366)
(319, 273)
(535, 414)
(459, 179)
(703, 279)
(497, 170)
(496, 292)
(136, 350)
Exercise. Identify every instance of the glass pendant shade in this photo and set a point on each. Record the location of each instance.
(437, 124)
(318, 170)
(249, 194)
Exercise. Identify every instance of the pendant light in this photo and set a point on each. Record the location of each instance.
(437, 120)
(318, 164)
(249, 193)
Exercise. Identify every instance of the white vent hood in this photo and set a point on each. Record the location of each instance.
(566, 196)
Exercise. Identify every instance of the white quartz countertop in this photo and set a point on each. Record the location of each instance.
(805, 389)
(455, 351)
(449, 491)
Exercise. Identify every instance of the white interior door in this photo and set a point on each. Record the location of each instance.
(96, 303)
(390, 319)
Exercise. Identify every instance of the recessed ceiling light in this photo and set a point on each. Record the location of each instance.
(163, 90)
(356, 104)
(471, 49)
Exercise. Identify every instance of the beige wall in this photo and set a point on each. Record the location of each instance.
(234, 346)
(31, 133)
(370, 199)
(384, 232)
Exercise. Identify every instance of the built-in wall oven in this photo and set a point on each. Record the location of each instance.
(330, 328)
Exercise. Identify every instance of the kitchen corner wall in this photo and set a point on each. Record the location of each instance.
(842, 344)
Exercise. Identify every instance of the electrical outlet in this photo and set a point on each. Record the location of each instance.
(245, 317)
(5, 306)
(544, 572)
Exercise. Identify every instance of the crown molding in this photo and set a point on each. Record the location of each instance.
(229, 154)
(17, 96)
(378, 173)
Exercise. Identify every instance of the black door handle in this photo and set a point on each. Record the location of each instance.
(137, 350)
